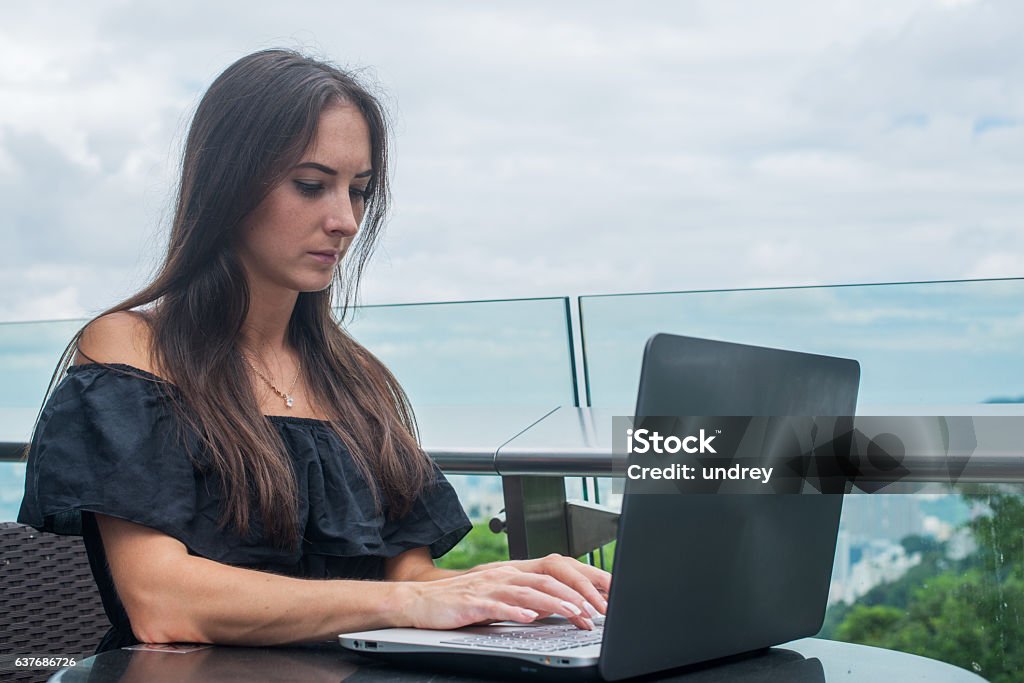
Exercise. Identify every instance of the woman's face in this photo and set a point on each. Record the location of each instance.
(295, 237)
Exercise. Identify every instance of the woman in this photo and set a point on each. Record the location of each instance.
(224, 446)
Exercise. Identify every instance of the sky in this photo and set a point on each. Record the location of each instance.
(546, 149)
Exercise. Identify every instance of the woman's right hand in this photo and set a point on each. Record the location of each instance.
(499, 594)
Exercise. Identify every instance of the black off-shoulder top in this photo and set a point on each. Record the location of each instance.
(108, 441)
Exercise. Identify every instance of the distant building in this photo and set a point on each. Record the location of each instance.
(884, 516)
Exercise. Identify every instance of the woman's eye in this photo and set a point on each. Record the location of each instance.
(309, 189)
(360, 192)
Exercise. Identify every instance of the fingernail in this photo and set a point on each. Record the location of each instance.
(590, 609)
(530, 614)
(571, 607)
(589, 623)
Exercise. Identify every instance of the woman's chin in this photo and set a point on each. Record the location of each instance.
(316, 281)
(310, 286)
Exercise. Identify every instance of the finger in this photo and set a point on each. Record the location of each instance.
(570, 603)
(498, 610)
(575, 602)
(597, 576)
(525, 615)
(582, 622)
(601, 579)
(579, 577)
(584, 584)
(543, 602)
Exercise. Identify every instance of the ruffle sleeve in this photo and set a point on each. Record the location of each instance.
(437, 520)
(109, 442)
(337, 510)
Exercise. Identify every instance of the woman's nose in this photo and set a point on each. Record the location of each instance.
(342, 219)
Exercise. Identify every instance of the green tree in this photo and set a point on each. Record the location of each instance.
(896, 593)
(970, 613)
(969, 620)
(479, 546)
(869, 624)
(999, 534)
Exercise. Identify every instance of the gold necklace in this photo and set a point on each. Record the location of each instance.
(288, 400)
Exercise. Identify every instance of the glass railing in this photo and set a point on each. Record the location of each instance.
(939, 574)
(482, 353)
(918, 344)
(508, 354)
(28, 356)
(494, 353)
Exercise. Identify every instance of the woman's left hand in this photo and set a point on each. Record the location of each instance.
(590, 582)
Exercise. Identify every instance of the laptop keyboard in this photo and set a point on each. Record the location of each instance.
(535, 639)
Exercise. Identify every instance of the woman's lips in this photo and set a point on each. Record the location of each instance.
(324, 256)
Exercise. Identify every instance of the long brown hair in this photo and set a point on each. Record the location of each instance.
(255, 121)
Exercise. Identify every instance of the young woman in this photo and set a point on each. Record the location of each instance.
(235, 462)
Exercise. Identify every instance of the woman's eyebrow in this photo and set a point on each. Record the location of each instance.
(319, 167)
(330, 171)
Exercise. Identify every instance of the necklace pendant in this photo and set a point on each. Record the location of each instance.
(289, 401)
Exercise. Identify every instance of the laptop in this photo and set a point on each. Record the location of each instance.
(696, 577)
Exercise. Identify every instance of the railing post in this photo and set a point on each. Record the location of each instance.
(535, 516)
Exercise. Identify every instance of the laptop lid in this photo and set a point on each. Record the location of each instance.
(703, 576)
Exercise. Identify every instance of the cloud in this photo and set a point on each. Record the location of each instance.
(551, 149)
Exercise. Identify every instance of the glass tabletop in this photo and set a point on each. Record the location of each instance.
(809, 660)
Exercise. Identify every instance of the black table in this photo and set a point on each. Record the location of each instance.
(809, 660)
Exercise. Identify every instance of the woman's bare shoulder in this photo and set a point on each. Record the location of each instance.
(120, 337)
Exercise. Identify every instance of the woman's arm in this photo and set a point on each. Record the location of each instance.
(416, 565)
(171, 596)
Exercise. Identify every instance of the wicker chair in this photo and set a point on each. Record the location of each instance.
(48, 600)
